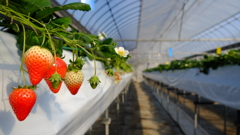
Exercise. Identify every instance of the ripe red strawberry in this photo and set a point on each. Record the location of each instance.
(22, 101)
(117, 77)
(73, 80)
(116, 73)
(54, 83)
(38, 61)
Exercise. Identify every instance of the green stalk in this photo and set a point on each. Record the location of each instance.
(23, 18)
(23, 52)
(95, 66)
(76, 52)
(102, 46)
(44, 37)
(69, 43)
(73, 55)
(53, 47)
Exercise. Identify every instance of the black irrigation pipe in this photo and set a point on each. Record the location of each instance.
(55, 37)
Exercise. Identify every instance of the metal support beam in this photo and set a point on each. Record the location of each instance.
(75, 23)
(178, 40)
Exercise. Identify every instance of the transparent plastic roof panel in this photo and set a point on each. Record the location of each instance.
(148, 28)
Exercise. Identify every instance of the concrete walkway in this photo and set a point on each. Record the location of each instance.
(142, 115)
(145, 116)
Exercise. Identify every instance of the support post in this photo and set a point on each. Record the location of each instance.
(107, 122)
(90, 130)
(123, 97)
(162, 92)
(118, 113)
(196, 111)
(238, 122)
(195, 119)
(225, 120)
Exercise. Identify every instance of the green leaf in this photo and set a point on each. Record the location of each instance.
(50, 10)
(63, 22)
(108, 41)
(31, 39)
(28, 7)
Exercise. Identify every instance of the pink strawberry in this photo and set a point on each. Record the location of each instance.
(73, 80)
(38, 61)
(53, 78)
(22, 101)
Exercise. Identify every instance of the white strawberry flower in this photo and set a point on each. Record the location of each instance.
(121, 51)
(102, 35)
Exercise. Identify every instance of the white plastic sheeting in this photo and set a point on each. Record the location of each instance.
(168, 20)
(60, 113)
(221, 85)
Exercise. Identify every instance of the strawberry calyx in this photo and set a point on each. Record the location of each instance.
(77, 64)
(94, 81)
(56, 79)
(110, 72)
(32, 87)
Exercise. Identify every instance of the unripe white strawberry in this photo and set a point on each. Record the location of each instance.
(73, 80)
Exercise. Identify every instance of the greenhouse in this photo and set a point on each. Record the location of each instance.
(120, 67)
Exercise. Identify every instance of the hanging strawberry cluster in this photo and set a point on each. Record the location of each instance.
(42, 39)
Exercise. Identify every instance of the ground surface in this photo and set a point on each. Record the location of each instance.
(142, 115)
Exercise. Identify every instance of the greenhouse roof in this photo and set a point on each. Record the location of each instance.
(162, 30)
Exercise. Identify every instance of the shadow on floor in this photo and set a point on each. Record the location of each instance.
(142, 115)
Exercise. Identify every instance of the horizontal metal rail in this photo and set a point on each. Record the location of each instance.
(177, 40)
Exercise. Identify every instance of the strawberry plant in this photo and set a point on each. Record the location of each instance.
(208, 62)
(42, 37)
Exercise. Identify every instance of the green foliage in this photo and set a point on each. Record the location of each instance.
(31, 39)
(43, 13)
(63, 23)
(232, 57)
(34, 24)
(27, 7)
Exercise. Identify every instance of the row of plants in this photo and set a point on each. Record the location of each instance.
(204, 65)
(42, 38)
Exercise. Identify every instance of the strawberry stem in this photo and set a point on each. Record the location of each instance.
(21, 18)
(53, 47)
(23, 52)
(94, 62)
(43, 41)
